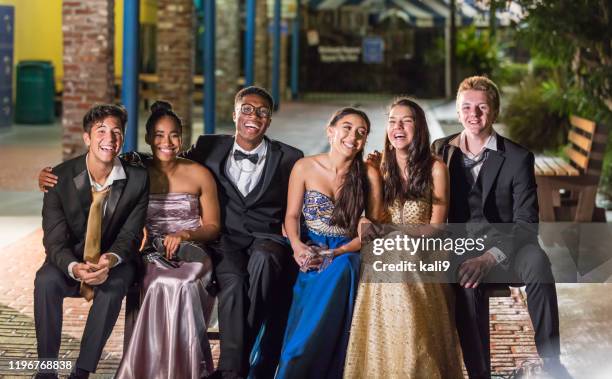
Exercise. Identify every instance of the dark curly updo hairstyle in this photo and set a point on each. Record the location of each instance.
(419, 161)
(353, 192)
(161, 109)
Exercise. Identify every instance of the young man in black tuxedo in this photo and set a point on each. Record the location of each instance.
(253, 262)
(493, 182)
(92, 223)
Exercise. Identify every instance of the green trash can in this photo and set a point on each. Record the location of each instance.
(35, 93)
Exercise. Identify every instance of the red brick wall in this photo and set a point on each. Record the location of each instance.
(175, 58)
(88, 32)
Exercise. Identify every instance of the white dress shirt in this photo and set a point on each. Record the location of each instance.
(490, 144)
(117, 173)
(245, 174)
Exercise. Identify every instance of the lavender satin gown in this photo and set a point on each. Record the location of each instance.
(169, 338)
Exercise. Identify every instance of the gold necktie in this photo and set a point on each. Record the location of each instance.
(93, 236)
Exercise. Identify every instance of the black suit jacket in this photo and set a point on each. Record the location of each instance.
(509, 191)
(66, 208)
(259, 215)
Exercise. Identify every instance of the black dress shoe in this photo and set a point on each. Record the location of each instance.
(554, 368)
(225, 374)
(79, 374)
(46, 375)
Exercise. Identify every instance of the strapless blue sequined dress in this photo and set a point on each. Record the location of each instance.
(317, 331)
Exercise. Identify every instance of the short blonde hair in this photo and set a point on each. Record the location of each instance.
(481, 83)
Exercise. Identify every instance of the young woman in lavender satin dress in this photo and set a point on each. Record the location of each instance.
(169, 339)
(331, 191)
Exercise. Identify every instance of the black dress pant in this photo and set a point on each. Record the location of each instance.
(51, 286)
(532, 267)
(255, 287)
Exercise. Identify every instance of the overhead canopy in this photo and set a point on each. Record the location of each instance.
(428, 13)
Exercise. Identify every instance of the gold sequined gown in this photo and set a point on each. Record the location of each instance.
(404, 330)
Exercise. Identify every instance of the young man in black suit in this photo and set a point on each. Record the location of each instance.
(92, 223)
(493, 182)
(253, 263)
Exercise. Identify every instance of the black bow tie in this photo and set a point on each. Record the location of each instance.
(239, 155)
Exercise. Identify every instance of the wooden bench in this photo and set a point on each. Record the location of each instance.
(567, 190)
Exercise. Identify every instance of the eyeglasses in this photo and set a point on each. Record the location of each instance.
(248, 109)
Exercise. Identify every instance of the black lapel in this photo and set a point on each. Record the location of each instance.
(449, 149)
(223, 155)
(448, 153)
(490, 169)
(116, 191)
(222, 151)
(83, 186)
(274, 156)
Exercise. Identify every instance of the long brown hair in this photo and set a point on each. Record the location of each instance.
(419, 161)
(352, 195)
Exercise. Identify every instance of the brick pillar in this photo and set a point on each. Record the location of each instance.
(175, 58)
(261, 45)
(88, 35)
(228, 57)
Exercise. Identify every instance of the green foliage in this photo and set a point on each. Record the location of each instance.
(532, 120)
(572, 42)
(544, 68)
(476, 52)
(510, 73)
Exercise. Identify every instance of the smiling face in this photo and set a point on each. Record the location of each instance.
(475, 112)
(165, 139)
(250, 129)
(400, 126)
(104, 140)
(348, 135)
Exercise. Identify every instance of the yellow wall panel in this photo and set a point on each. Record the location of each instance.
(38, 31)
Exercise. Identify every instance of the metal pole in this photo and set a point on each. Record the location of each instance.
(450, 75)
(209, 66)
(129, 88)
(249, 46)
(276, 31)
(295, 52)
(453, 44)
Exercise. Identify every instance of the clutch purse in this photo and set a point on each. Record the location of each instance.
(186, 252)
